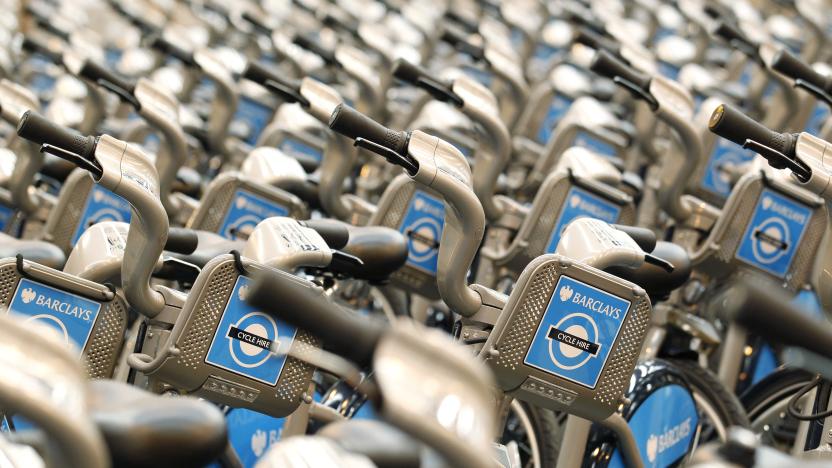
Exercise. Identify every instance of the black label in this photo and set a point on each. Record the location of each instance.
(241, 335)
(572, 340)
(771, 240)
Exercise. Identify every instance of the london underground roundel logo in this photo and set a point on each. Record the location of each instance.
(423, 238)
(771, 240)
(251, 338)
(573, 341)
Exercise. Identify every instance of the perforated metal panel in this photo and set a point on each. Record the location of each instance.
(64, 218)
(189, 372)
(212, 210)
(512, 337)
(104, 345)
(218, 197)
(196, 340)
(391, 211)
(546, 211)
(106, 341)
(729, 232)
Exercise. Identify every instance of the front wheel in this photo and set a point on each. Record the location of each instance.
(674, 407)
(536, 431)
(766, 403)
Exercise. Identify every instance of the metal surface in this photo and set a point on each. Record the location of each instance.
(512, 337)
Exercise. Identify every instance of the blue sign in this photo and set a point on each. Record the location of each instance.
(72, 316)
(772, 237)
(726, 153)
(669, 70)
(245, 212)
(518, 37)
(545, 51)
(664, 426)
(250, 119)
(244, 338)
(300, 150)
(484, 77)
(6, 216)
(112, 56)
(102, 205)
(819, 116)
(252, 433)
(589, 142)
(581, 204)
(557, 109)
(577, 331)
(422, 224)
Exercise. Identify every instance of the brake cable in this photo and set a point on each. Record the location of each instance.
(794, 411)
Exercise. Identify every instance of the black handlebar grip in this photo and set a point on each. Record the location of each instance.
(788, 64)
(766, 312)
(163, 45)
(409, 72)
(590, 38)
(38, 47)
(466, 23)
(94, 71)
(309, 44)
(182, 241)
(605, 64)
(645, 238)
(731, 124)
(461, 43)
(300, 303)
(351, 123)
(336, 234)
(256, 22)
(730, 32)
(38, 129)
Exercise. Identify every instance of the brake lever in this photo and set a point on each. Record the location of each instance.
(439, 91)
(814, 90)
(659, 262)
(779, 160)
(749, 50)
(123, 94)
(92, 166)
(284, 90)
(637, 91)
(409, 164)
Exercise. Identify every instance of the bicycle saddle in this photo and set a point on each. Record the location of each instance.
(655, 280)
(383, 251)
(199, 247)
(142, 429)
(383, 444)
(188, 181)
(306, 190)
(40, 252)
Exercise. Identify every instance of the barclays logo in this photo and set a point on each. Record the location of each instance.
(565, 293)
(770, 204)
(28, 295)
(593, 209)
(657, 444)
(421, 205)
(56, 305)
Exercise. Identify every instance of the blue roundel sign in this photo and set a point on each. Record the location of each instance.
(102, 205)
(245, 213)
(244, 337)
(422, 224)
(776, 228)
(577, 331)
